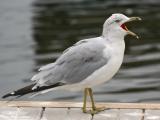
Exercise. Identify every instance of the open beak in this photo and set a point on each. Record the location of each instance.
(126, 29)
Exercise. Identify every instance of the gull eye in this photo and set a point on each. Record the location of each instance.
(117, 21)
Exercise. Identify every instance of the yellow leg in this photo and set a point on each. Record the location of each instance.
(85, 100)
(91, 97)
(94, 110)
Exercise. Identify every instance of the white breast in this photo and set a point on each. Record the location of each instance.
(116, 51)
(105, 73)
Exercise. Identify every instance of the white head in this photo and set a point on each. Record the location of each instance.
(115, 26)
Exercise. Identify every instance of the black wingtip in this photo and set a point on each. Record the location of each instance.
(7, 95)
(28, 89)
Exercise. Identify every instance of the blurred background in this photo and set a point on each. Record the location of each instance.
(35, 32)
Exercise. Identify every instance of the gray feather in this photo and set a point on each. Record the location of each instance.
(75, 64)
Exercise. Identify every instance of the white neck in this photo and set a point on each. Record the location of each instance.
(113, 34)
(116, 41)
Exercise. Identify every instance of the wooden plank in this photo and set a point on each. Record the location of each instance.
(130, 114)
(28, 113)
(77, 114)
(110, 114)
(152, 115)
(8, 113)
(120, 114)
(78, 104)
(55, 114)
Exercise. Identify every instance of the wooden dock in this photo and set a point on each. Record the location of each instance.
(35, 110)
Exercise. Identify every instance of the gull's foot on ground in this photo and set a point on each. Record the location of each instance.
(95, 110)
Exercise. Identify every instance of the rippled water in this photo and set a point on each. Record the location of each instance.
(35, 32)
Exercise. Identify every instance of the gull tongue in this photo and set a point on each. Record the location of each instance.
(128, 31)
(124, 27)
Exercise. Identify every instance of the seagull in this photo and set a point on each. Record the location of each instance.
(88, 63)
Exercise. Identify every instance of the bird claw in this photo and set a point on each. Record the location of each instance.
(94, 110)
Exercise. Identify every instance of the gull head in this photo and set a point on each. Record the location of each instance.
(115, 26)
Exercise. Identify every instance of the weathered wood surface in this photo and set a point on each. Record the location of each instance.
(29, 110)
(79, 104)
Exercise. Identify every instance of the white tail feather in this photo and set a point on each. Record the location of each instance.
(46, 67)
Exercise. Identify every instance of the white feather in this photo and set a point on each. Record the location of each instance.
(46, 67)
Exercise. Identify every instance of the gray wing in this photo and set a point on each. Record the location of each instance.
(75, 64)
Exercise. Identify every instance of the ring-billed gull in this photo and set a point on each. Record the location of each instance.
(87, 63)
